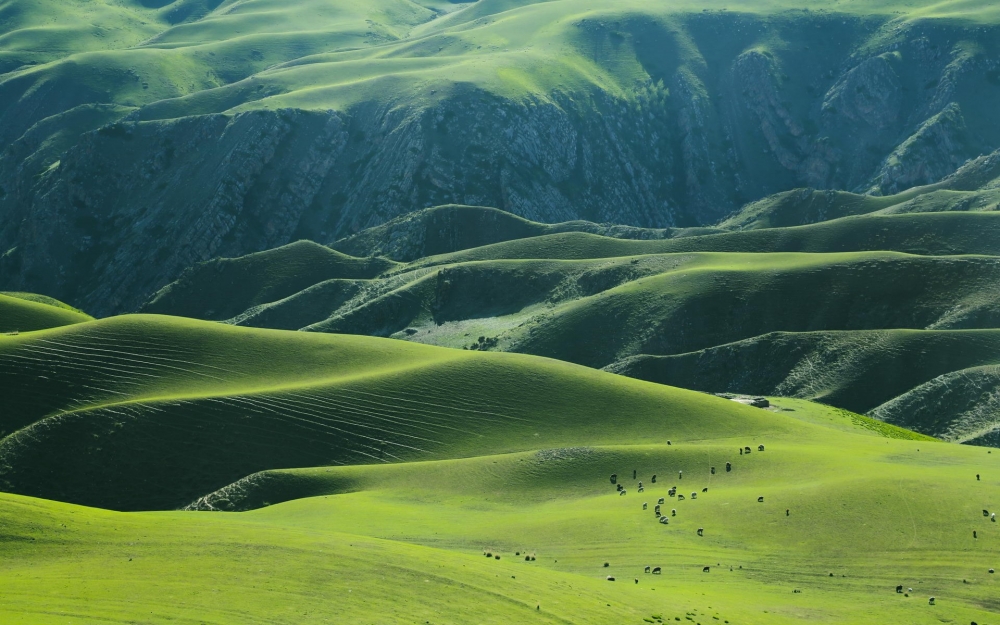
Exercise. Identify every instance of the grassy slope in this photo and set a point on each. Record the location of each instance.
(25, 312)
(224, 287)
(866, 513)
(150, 412)
(881, 372)
(446, 229)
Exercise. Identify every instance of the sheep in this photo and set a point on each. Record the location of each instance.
(701, 531)
(760, 500)
(614, 478)
(656, 570)
(647, 570)
(661, 501)
(760, 448)
(729, 467)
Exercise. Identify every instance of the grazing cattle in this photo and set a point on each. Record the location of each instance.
(974, 534)
(787, 512)
(701, 531)
(706, 569)
(633, 474)
(610, 578)
(899, 589)
(977, 477)
(637, 580)
(489, 555)
(741, 451)
(993, 517)
(931, 601)
(620, 487)
(640, 483)
(657, 510)
(760, 500)
(694, 495)
(668, 442)
(656, 570)
(729, 467)
(673, 512)
(622, 493)
(760, 448)
(647, 570)
(664, 520)
(614, 478)
(991, 570)
(672, 491)
(986, 513)
(680, 475)
(661, 501)
(607, 564)
(713, 470)
(680, 497)
(497, 557)
(746, 450)
(644, 505)
(641, 489)
(705, 490)
(653, 479)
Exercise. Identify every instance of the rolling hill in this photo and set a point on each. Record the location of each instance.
(24, 312)
(445, 456)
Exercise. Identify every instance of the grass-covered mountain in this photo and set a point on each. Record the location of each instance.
(369, 468)
(140, 138)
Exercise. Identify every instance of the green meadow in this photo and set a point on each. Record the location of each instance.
(448, 455)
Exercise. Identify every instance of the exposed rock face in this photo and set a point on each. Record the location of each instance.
(106, 212)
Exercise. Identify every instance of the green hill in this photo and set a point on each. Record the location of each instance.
(224, 287)
(151, 412)
(880, 372)
(25, 312)
(865, 513)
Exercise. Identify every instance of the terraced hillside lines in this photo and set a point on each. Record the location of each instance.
(224, 287)
(151, 412)
(27, 312)
(938, 382)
